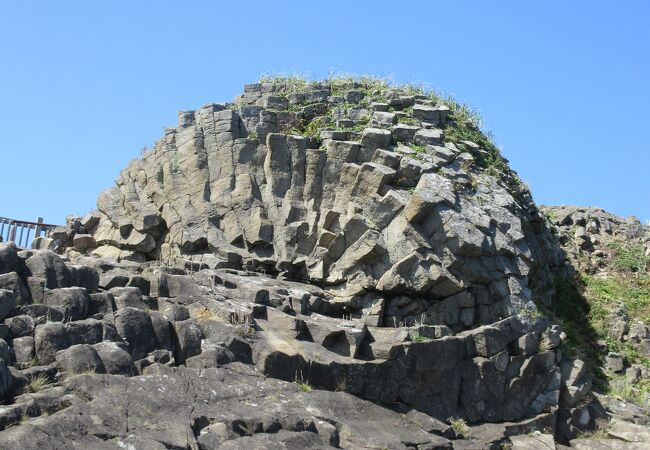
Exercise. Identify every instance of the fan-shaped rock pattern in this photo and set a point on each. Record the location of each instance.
(378, 202)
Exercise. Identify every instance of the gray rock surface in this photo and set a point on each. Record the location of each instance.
(370, 283)
(153, 411)
(7, 303)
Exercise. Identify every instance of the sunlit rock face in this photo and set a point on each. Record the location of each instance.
(358, 191)
(365, 237)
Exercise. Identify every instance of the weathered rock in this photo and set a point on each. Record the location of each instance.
(428, 137)
(43, 313)
(101, 303)
(215, 356)
(419, 238)
(7, 303)
(8, 257)
(187, 339)
(12, 282)
(23, 350)
(73, 301)
(19, 326)
(80, 358)
(85, 277)
(5, 353)
(162, 331)
(433, 114)
(49, 266)
(6, 380)
(533, 442)
(264, 413)
(127, 296)
(49, 338)
(614, 362)
(114, 358)
(134, 325)
(36, 287)
(113, 278)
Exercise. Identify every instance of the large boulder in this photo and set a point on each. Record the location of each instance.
(8, 257)
(6, 380)
(345, 216)
(80, 358)
(43, 313)
(135, 327)
(21, 325)
(73, 301)
(12, 281)
(187, 339)
(114, 358)
(84, 276)
(49, 338)
(162, 331)
(49, 266)
(7, 303)
(127, 296)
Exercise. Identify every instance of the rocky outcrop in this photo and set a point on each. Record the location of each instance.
(347, 242)
(590, 236)
(371, 202)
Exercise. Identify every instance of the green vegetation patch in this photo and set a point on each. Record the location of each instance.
(605, 294)
(630, 257)
(583, 307)
(464, 126)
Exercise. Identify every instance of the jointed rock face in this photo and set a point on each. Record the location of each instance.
(343, 235)
(355, 212)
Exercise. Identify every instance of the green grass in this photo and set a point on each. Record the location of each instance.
(492, 160)
(419, 338)
(302, 383)
(572, 310)
(359, 127)
(36, 383)
(419, 149)
(629, 257)
(465, 123)
(407, 120)
(605, 294)
(459, 426)
(621, 387)
(583, 307)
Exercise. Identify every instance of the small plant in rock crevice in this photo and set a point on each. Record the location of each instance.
(243, 323)
(36, 383)
(459, 426)
(302, 383)
(419, 338)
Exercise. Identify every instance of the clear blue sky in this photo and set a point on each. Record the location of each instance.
(84, 85)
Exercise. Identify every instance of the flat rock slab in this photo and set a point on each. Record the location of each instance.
(216, 408)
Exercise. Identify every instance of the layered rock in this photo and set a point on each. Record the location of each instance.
(339, 236)
(390, 209)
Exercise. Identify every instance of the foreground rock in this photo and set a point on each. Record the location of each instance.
(210, 409)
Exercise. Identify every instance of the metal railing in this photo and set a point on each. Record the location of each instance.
(19, 231)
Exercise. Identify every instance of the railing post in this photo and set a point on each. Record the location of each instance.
(37, 233)
(12, 233)
(29, 229)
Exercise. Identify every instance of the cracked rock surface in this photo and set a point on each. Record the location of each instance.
(333, 266)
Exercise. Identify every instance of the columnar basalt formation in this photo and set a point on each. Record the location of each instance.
(345, 235)
(376, 201)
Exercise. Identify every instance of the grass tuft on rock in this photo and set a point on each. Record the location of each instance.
(36, 383)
